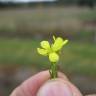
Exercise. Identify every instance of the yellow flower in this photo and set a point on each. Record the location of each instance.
(52, 50)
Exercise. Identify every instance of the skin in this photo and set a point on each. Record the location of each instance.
(37, 85)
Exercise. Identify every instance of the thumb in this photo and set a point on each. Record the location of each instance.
(57, 88)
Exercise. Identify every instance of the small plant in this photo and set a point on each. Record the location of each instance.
(53, 53)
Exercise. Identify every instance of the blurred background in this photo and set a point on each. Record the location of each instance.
(24, 23)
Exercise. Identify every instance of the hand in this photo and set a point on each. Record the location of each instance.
(40, 85)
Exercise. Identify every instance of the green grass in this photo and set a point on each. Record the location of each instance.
(77, 58)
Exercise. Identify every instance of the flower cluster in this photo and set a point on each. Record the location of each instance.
(52, 50)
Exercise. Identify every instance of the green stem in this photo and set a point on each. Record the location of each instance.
(53, 70)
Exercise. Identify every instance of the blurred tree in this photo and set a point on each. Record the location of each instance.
(67, 2)
(89, 3)
(11, 3)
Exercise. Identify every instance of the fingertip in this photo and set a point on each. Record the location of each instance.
(58, 87)
(55, 88)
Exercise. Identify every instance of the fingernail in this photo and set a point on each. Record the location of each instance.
(55, 88)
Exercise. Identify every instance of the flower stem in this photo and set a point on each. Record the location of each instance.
(53, 70)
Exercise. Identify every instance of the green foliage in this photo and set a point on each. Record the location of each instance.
(64, 2)
(10, 4)
(81, 2)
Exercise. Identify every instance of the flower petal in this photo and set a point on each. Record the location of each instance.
(45, 44)
(57, 44)
(65, 42)
(53, 57)
(42, 51)
(54, 38)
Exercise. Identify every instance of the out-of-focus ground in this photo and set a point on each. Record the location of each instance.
(22, 29)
